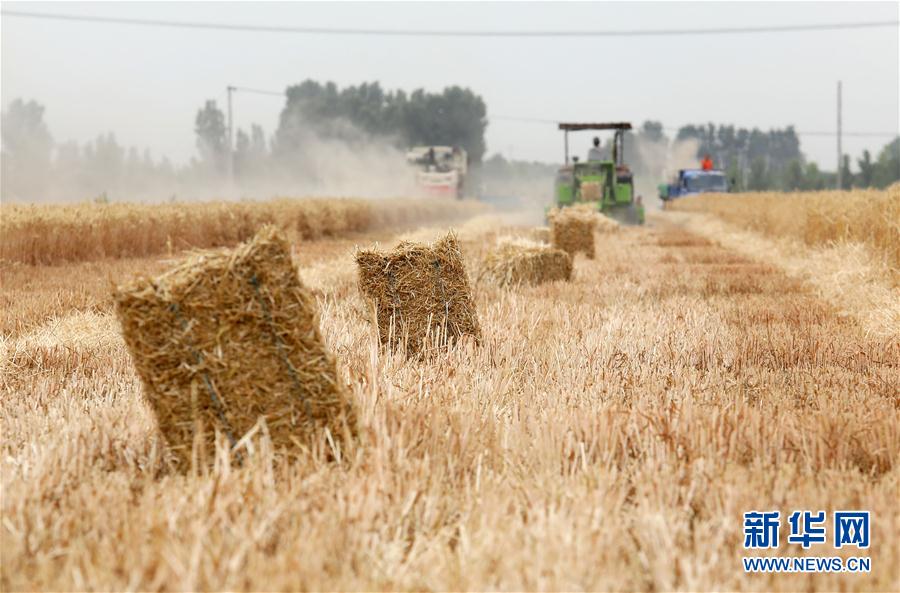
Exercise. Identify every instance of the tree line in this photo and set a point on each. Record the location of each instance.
(757, 160)
(315, 114)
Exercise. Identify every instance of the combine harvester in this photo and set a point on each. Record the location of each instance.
(607, 185)
(440, 170)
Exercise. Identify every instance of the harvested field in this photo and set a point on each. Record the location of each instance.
(608, 433)
(814, 218)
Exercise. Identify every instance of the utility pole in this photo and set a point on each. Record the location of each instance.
(229, 165)
(840, 154)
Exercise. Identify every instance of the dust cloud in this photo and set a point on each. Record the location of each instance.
(529, 186)
(322, 159)
(351, 164)
(658, 161)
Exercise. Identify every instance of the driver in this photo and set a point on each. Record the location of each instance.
(595, 154)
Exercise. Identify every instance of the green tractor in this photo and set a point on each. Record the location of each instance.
(607, 185)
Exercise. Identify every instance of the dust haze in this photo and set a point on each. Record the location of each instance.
(658, 161)
(529, 186)
(363, 167)
(328, 158)
(355, 165)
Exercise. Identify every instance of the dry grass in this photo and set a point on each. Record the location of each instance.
(57, 234)
(871, 217)
(607, 434)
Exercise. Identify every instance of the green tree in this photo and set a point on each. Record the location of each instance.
(758, 179)
(456, 117)
(730, 146)
(814, 180)
(735, 176)
(212, 136)
(250, 153)
(887, 167)
(794, 177)
(652, 131)
(846, 173)
(27, 150)
(866, 175)
(104, 165)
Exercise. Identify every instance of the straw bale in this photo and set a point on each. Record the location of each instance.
(590, 191)
(229, 337)
(520, 261)
(572, 230)
(420, 294)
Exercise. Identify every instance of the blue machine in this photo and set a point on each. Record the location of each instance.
(694, 181)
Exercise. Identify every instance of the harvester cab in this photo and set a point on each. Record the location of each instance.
(606, 184)
(439, 170)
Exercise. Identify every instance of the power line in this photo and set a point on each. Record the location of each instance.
(825, 133)
(527, 120)
(447, 33)
(244, 89)
(856, 134)
(543, 121)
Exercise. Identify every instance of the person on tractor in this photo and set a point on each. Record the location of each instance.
(595, 154)
(706, 164)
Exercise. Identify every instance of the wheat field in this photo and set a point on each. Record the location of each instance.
(816, 218)
(53, 234)
(607, 434)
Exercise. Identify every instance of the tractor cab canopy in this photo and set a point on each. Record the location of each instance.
(569, 127)
(618, 140)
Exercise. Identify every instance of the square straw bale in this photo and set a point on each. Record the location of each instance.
(228, 337)
(572, 230)
(420, 294)
(520, 261)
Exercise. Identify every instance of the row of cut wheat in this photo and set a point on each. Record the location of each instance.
(867, 216)
(53, 234)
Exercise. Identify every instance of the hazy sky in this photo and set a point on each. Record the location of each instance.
(146, 83)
